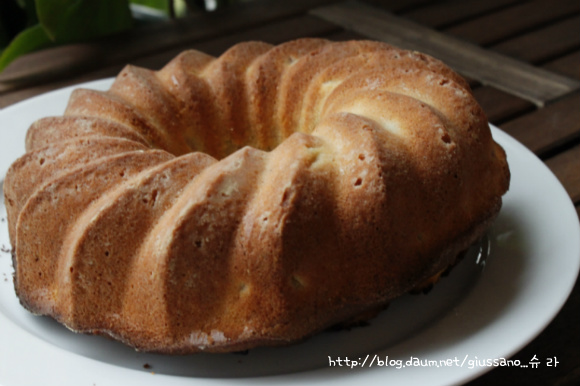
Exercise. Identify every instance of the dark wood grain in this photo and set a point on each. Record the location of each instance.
(500, 105)
(544, 43)
(507, 23)
(442, 14)
(274, 33)
(399, 5)
(566, 167)
(568, 65)
(546, 129)
(490, 68)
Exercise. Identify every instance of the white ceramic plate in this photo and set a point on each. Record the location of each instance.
(475, 316)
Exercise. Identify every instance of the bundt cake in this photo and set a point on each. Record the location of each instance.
(253, 199)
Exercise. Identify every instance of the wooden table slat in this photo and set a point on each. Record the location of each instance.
(490, 68)
(492, 28)
(399, 5)
(568, 65)
(499, 105)
(566, 167)
(442, 14)
(550, 127)
(544, 43)
(276, 33)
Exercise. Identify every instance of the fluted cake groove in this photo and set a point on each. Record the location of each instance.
(253, 199)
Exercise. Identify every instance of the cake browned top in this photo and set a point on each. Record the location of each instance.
(252, 199)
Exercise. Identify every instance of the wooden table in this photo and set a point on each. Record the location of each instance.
(521, 57)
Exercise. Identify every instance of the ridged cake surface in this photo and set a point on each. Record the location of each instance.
(257, 198)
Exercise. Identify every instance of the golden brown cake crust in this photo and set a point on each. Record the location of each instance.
(257, 198)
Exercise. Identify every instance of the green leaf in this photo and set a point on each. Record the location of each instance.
(32, 38)
(162, 5)
(76, 20)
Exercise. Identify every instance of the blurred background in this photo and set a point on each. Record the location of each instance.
(30, 25)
